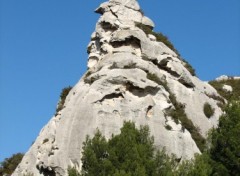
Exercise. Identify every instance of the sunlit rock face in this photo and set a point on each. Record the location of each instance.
(131, 77)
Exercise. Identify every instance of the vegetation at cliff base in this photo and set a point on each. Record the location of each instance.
(10, 164)
(132, 153)
(225, 149)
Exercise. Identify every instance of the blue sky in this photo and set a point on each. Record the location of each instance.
(43, 49)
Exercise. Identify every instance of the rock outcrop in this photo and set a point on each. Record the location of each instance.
(131, 76)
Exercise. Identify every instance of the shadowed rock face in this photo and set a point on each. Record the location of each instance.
(130, 76)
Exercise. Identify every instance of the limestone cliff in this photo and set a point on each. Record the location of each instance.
(131, 76)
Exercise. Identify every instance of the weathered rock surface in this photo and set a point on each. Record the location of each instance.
(225, 77)
(130, 77)
(227, 88)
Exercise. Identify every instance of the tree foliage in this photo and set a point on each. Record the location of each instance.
(131, 153)
(128, 154)
(225, 150)
(73, 172)
(8, 166)
(199, 166)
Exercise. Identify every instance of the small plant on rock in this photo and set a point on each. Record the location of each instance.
(63, 97)
(45, 140)
(130, 65)
(154, 77)
(168, 127)
(208, 110)
(73, 171)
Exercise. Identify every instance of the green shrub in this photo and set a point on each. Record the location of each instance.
(168, 127)
(189, 67)
(88, 73)
(63, 97)
(230, 96)
(226, 142)
(215, 97)
(164, 39)
(130, 65)
(178, 114)
(45, 140)
(159, 36)
(129, 153)
(154, 77)
(73, 172)
(208, 110)
(8, 166)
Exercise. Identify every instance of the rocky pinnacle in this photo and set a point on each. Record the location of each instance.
(131, 76)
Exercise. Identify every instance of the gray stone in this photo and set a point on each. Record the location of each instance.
(227, 88)
(117, 88)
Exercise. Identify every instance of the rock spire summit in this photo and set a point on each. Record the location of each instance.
(118, 19)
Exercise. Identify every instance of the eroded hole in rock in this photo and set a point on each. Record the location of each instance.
(136, 91)
(108, 26)
(130, 65)
(163, 65)
(92, 79)
(49, 173)
(186, 84)
(46, 171)
(111, 96)
(94, 45)
(149, 112)
(131, 41)
(114, 65)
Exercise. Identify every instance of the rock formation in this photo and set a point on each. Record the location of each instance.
(131, 76)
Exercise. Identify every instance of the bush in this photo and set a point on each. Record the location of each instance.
(63, 97)
(164, 39)
(201, 165)
(129, 153)
(73, 172)
(168, 127)
(8, 166)
(155, 78)
(230, 96)
(189, 67)
(45, 140)
(130, 65)
(208, 110)
(225, 142)
(178, 114)
(159, 36)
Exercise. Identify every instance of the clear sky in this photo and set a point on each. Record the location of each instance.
(43, 49)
